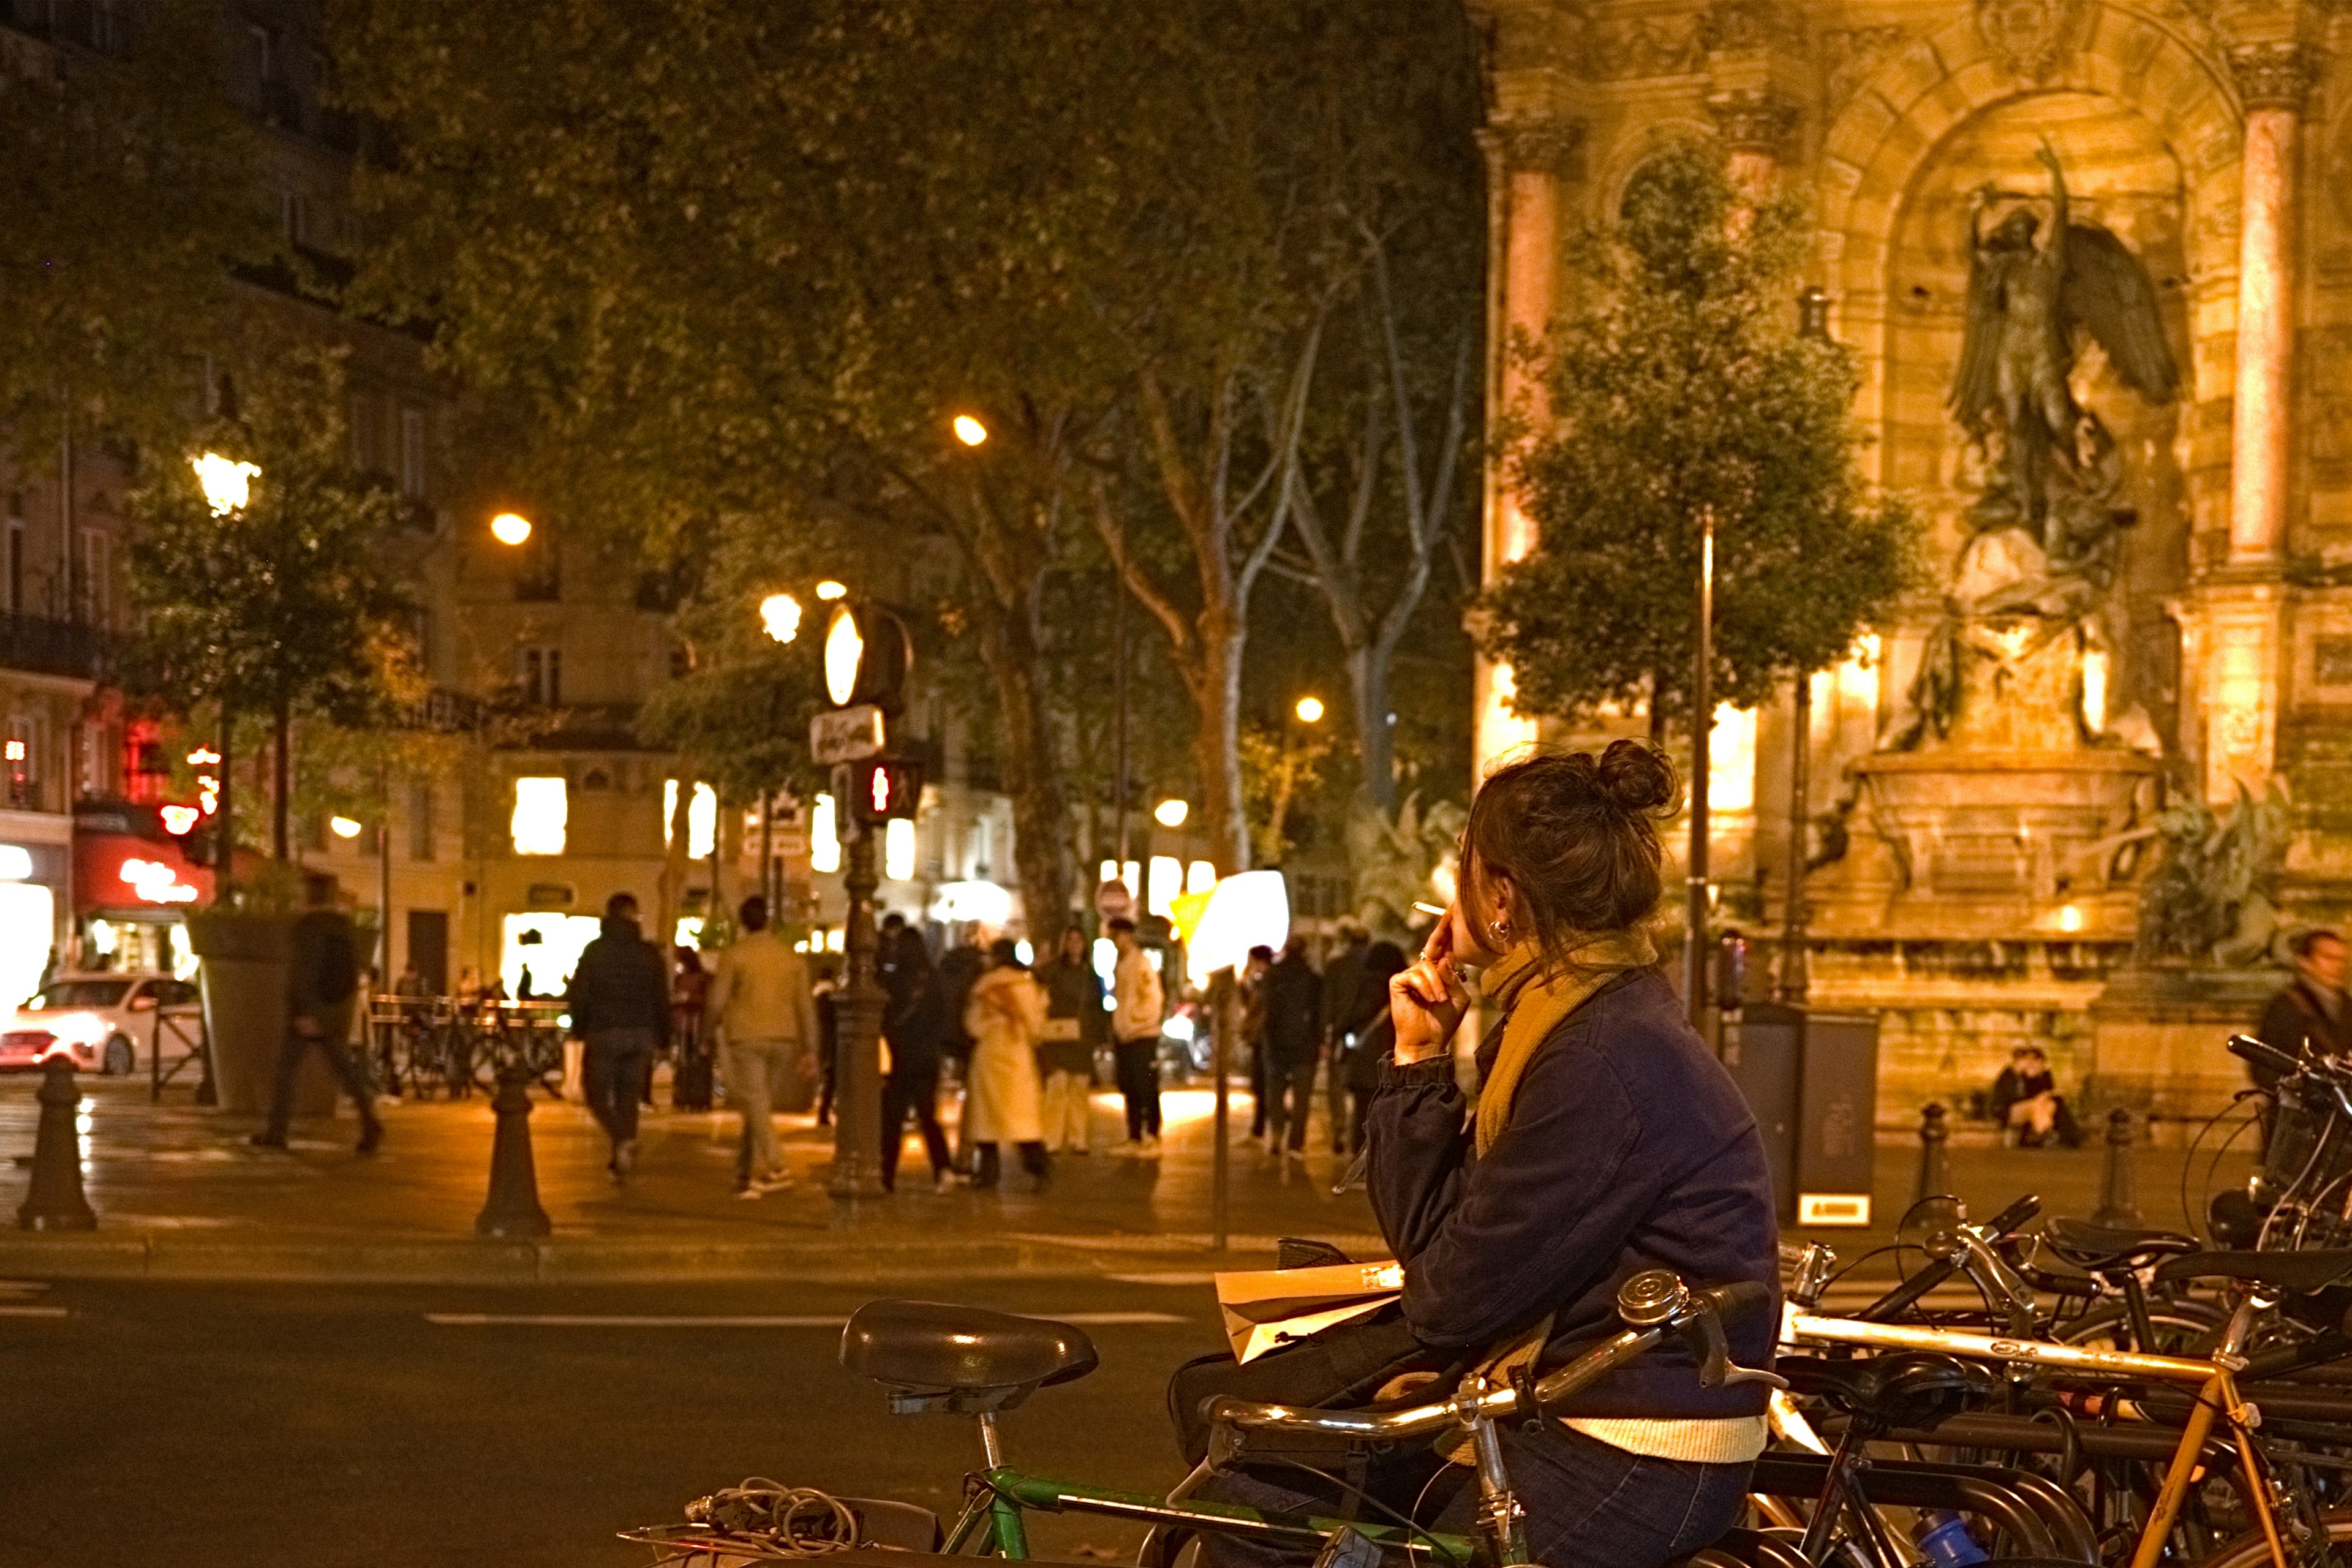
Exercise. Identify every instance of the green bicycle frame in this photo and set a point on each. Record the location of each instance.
(992, 1523)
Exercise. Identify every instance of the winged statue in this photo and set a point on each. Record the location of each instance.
(2028, 308)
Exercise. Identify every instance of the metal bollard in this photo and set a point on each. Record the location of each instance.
(56, 1200)
(512, 1212)
(1935, 1166)
(2118, 1184)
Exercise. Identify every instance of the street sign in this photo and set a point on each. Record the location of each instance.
(847, 734)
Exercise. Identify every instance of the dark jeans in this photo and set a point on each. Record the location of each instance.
(912, 1086)
(1588, 1505)
(1139, 1082)
(613, 1067)
(290, 1052)
(991, 1160)
(1290, 1089)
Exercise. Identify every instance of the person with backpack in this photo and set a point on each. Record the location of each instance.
(322, 976)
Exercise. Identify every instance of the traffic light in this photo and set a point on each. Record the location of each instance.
(881, 788)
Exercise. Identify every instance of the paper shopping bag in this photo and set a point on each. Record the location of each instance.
(1266, 1308)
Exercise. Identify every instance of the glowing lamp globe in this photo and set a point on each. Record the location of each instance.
(509, 528)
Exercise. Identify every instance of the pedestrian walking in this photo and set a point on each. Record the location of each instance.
(1006, 1018)
(1368, 1045)
(2310, 1012)
(322, 976)
(1252, 1035)
(693, 1049)
(1293, 1043)
(1343, 979)
(1137, 1003)
(763, 1014)
(619, 1000)
(1075, 1025)
(915, 1025)
(827, 986)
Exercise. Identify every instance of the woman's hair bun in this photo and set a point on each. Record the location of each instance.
(1637, 776)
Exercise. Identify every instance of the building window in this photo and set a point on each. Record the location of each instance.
(16, 566)
(701, 819)
(18, 752)
(539, 672)
(294, 214)
(420, 822)
(411, 453)
(364, 448)
(541, 812)
(537, 574)
(97, 576)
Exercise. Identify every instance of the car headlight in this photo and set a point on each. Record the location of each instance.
(82, 1029)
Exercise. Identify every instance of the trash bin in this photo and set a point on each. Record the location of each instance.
(1812, 1079)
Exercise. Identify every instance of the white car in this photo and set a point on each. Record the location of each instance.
(104, 1021)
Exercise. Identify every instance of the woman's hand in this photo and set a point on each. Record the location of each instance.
(1426, 1001)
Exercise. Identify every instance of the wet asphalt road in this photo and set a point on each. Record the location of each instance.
(169, 1426)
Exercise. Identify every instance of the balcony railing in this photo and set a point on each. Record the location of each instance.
(53, 647)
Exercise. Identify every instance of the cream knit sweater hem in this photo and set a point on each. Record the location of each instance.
(1726, 1440)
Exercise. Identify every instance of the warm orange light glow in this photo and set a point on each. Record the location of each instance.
(969, 431)
(1309, 709)
(830, 590)
(779, 615)
(509, 528)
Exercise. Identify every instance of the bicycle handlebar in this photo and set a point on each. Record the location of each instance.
(2262, 1053)
(1655, 1304)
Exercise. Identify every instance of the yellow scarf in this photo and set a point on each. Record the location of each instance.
(1535, 997)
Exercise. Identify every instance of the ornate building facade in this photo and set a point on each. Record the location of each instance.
(2001, 778)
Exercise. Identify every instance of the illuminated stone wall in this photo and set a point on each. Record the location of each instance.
(2211, 137)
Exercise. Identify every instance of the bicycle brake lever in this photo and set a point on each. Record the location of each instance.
(1703, 1333)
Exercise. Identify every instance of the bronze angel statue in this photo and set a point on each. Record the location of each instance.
(2025, 306)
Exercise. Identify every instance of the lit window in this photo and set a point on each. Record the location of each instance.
(701, 818)
(899, 850)
(1166, 881)
(1200, 876)
(1731, 761)
(541, 812)
(824, 839)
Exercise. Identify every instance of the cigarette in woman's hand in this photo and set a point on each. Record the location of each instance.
(1429, 908)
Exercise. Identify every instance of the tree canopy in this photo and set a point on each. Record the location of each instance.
(1682, 388)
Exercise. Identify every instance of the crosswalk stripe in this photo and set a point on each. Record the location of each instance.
(765, 1321)
(32, 1311)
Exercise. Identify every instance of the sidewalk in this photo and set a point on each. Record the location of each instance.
(180, 1194)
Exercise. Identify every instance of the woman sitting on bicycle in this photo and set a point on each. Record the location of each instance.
(1607, 1139)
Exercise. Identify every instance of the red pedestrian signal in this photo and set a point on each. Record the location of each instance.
(883, 788)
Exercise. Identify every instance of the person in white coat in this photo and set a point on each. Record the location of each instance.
(1006, 1019)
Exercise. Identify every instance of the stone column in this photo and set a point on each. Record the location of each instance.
(1528, 163)
(2272, 79)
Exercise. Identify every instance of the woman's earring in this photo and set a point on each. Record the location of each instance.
(1499, 929)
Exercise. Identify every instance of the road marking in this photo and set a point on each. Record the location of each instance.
(648, 1321)
(1173, 1278)
(32, 1311)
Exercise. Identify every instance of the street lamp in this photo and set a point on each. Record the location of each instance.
(344, 826)
(969, 431)
(830, 590)
(1309, 709)
(225, 482)
(1813, 326)
(1172, 813)
(779, 617)
(511, 527)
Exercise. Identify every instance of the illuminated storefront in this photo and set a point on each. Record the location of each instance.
(132, 889)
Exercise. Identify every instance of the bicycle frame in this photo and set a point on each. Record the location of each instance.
(2215, 1379)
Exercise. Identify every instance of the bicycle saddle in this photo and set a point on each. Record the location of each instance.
(1912, 1389)
(922, 1350)
(2301, 1272)
(2097, 1247)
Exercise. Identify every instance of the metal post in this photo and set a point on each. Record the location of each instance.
(767, 855)
(1695, 956)
(383, 891)
(1935, 1166)
(1220, 1166)
(223, 814)
(1792, 928)
(55, 1200)
(858, 1011)
(1118, 697)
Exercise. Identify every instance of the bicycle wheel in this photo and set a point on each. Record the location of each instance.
(2252, 1550)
